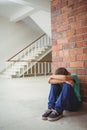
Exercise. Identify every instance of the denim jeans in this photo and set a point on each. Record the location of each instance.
(62, 97)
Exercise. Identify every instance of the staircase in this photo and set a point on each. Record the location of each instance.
(29, 61)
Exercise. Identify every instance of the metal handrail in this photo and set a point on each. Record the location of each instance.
(25, 48)
(29, 61)
(31, 68)
(31, 54)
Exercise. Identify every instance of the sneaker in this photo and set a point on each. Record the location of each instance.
(54, 116)
(46, 114)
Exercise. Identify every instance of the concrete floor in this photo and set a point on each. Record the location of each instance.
(23, 101)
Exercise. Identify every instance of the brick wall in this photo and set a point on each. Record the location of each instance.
(69, 38)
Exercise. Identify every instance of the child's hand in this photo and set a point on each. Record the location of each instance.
(71, 82)
(49, 79)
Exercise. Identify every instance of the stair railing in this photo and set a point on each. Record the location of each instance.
(32, 48)
(29, 51)
(33, 68)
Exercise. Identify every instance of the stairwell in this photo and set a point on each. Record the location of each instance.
(35, 59)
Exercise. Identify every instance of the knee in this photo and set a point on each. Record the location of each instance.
(55, 85)
(67, 86)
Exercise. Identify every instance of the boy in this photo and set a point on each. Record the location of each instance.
(64, 94)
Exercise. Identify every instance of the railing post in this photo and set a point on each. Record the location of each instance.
(31, 71)
(45, 68)
(23, 72)
(35, 73)
(28, 53)
(38, 64)
(42, 67)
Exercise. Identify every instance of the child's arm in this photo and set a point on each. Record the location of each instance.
(61, 77)
(56, 79)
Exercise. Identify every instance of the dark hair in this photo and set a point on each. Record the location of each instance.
(62, 71)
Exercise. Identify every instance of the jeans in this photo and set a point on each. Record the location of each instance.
(62, 97)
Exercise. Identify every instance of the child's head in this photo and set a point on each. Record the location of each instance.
(62, 71)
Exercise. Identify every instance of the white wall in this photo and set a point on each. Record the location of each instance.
(14, 37)
(43, 20)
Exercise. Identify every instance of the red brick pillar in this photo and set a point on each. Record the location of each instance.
(69, 38)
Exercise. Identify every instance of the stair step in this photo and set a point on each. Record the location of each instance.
(5, 76)
(20, 67)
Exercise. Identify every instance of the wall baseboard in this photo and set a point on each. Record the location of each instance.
(84, 106)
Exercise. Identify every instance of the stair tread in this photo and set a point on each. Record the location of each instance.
(34, 55)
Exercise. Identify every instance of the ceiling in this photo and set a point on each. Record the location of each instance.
(19, 9)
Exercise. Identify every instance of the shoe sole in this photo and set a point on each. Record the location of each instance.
(44, 118)
(54, 119)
